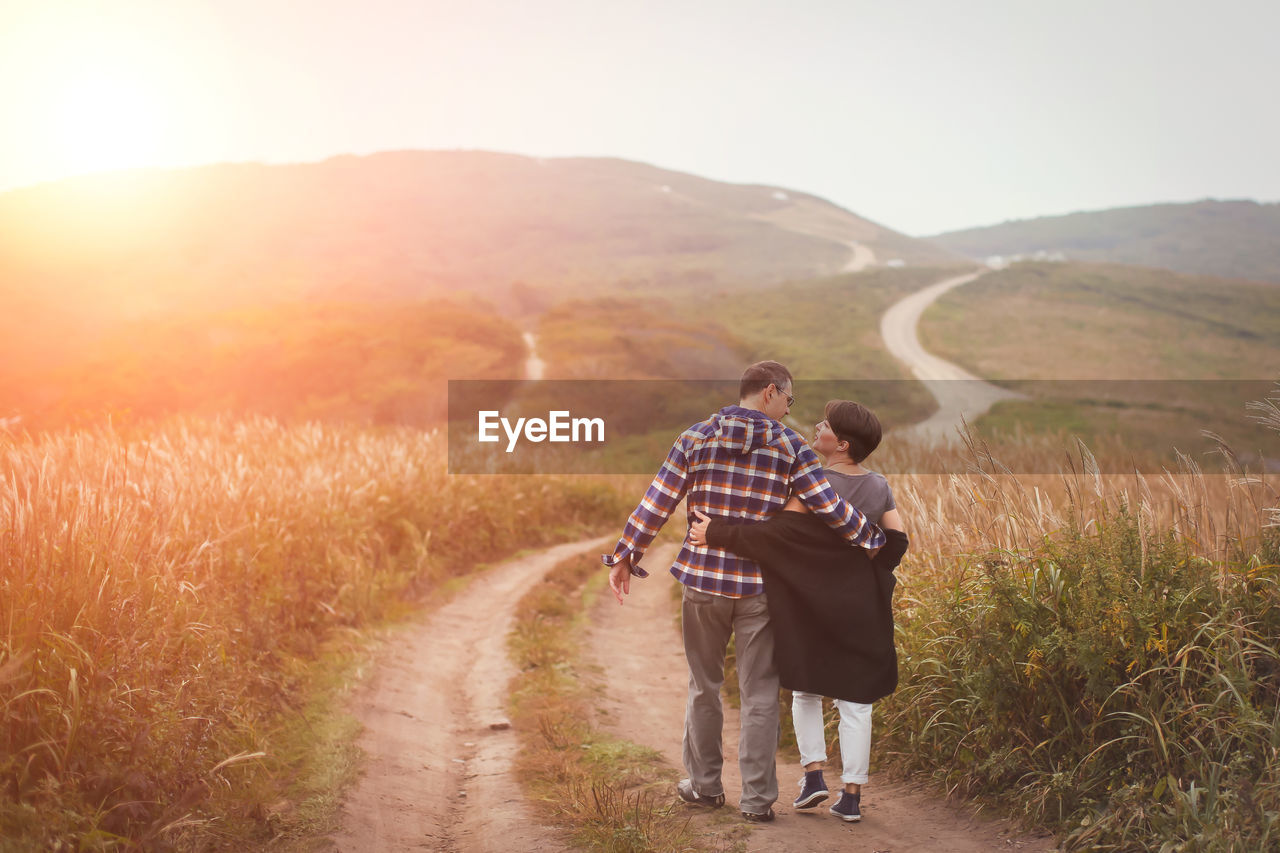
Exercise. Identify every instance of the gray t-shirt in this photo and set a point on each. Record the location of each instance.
(868, 492)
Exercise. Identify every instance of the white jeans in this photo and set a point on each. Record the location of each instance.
(855, 735)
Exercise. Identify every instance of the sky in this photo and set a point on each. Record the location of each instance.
(923, 116)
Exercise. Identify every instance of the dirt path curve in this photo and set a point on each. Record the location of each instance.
(638, 648)
(968, 399)
(861, 258)
(534, 367)
(427, 713)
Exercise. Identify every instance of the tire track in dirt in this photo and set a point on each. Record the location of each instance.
(436, 776)
(638, 649)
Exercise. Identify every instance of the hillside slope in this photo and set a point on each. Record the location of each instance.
(283, 288)
(1106, 348)
(1234, 239)
(412, 224)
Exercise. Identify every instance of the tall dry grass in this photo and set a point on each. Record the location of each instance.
(165, 594)
(1100, 653)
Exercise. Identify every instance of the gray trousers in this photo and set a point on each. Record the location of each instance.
(708, 620)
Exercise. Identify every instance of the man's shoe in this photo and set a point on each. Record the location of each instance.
(813, 790)
(756, 817)
(848, 809)
(685, 789)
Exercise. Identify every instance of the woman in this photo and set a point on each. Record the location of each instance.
(831, 605)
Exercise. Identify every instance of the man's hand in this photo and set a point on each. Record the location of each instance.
(620, 578)
(698, 530)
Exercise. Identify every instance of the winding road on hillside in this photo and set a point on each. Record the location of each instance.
(961, 396)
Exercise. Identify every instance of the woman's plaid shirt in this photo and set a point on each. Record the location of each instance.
(738, 463)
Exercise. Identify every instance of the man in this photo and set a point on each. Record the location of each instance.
(738, 463)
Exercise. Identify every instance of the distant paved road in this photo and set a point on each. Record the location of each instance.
(961, 396)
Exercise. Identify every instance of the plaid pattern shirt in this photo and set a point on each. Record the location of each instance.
(741, 464)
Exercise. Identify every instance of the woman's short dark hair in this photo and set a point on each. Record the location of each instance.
(760, 376)
(856, 424)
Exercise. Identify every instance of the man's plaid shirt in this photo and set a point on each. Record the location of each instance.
(738, 463)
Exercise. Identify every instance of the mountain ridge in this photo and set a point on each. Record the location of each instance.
(1232, 238)
(411, 224)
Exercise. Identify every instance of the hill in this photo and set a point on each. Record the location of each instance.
(1233, 239)
(121, 291)
(414, 224)
(1106, 348)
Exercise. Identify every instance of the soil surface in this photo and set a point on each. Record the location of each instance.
(639, 651)
(439, 750)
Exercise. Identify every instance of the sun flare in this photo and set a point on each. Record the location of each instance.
(105, 120)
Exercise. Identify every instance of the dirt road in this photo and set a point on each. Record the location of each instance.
(437, 774)
(960, 394)
(438, 770)
(534, 367)
(645, 694)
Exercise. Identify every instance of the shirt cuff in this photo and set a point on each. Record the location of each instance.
(636, 571)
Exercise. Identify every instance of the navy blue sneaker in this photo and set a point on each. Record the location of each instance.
(813, 790)
(847, 809)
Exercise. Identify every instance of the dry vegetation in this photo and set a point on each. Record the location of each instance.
(610, 795)
(349, 362)
(1191, 351)
(165, 597)
(1095, 652)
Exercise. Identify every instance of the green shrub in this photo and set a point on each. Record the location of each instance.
(1110, 684)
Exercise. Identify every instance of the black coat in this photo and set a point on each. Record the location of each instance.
(830, 603)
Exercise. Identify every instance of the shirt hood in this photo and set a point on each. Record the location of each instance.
(742, 430)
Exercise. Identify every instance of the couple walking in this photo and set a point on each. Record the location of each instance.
(762, 512)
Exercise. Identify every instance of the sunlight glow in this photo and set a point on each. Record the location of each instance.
(107, 87)
(105, 120)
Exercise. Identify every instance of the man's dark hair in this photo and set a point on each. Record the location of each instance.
(856, 424)
(760, 376)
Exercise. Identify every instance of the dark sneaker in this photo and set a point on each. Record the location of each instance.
(813, 791)
(848, 807)
(756, 817)
(685, 789)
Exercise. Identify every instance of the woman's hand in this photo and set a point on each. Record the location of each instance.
(698, 530)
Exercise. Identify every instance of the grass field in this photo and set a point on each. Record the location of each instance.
(1093, 654)
(828, 330)
(609, 794)
(339, 362)
(1096, 654)
(711, 335)
(177, 605)
(179, 601)
(1183, 340)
